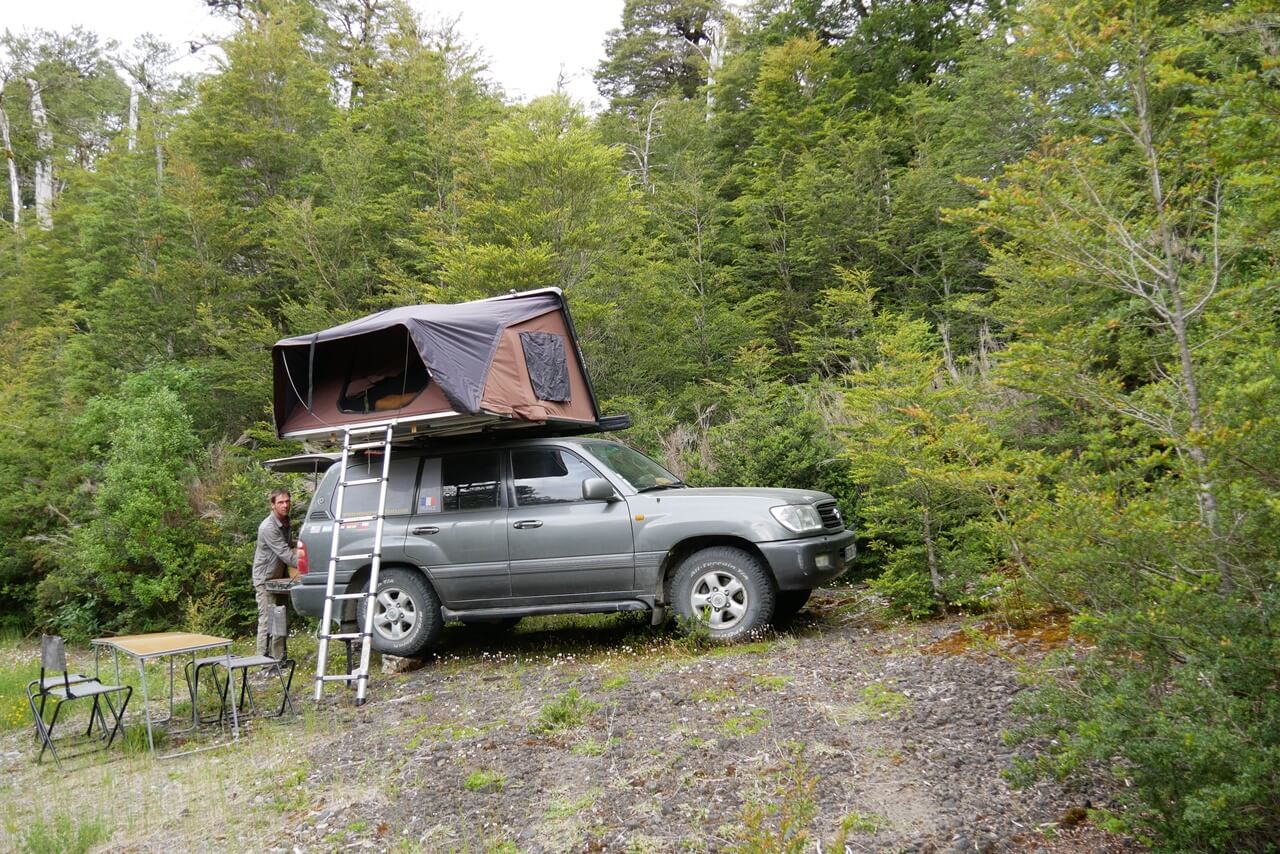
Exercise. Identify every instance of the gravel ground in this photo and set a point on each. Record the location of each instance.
(842, 733)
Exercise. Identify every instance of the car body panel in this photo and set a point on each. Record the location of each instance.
(567, 553)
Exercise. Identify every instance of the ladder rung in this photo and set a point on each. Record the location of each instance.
(364, 446)
(349, 596)
(362, 481)
(358, 519)
(345, 636)
(356, 557)
(365, 431)
(340, 677)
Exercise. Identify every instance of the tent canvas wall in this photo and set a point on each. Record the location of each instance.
(511, 361)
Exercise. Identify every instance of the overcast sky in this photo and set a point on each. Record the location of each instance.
(526, 43)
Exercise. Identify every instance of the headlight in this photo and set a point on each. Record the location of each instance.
(801, 518)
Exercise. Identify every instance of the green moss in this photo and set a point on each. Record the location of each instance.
(484, 780)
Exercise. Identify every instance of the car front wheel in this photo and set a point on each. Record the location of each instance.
(406, 613)
(726, 588)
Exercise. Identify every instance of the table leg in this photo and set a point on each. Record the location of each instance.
(191, 687)
(146, 704)
(231, 693)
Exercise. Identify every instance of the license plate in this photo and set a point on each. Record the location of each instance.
(848, 553)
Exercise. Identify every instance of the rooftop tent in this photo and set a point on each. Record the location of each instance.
(511, 361)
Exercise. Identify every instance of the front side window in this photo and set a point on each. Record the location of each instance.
(548, 476)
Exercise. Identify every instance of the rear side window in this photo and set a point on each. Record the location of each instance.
(362, 500)
(548, 476)
(460, 482)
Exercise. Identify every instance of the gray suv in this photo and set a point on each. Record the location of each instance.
(495, 532)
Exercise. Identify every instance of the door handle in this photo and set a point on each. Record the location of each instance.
(527, 523)
(424, 529)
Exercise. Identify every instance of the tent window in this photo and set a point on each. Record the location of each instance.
(384, 391)
(548, 371)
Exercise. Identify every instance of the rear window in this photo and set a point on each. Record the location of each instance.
(460, 482)
(363, 500)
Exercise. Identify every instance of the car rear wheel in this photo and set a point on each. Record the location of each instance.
(406, 613)
(725, 587)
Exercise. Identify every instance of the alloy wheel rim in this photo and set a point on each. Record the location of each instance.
(719, 597)
(395, 614)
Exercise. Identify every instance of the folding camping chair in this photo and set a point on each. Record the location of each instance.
(61, 686)
(282, 667)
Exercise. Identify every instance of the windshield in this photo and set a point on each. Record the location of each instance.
(632, 466)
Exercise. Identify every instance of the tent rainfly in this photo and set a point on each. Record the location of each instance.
(435, 370)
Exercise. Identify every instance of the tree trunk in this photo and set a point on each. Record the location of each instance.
(44, 165)
(1177, 316)
(715, 57)
(133, 117)
(931, 553)
(948, 356)
(14, 191)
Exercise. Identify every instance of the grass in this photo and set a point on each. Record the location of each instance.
(881, 702)
(771, 682)
(484, 780)
(14, 711)
(567, 711)
(717, 694)
(749, 724)
(562, 808)
(591, 747)
(861, 822)
(62, 834)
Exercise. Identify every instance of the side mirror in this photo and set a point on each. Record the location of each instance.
(598, 489)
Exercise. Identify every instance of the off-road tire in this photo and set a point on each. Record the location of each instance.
(727, 587)
(406, 619)
(787, 604)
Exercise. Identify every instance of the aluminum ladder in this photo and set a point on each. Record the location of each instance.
(361, 674)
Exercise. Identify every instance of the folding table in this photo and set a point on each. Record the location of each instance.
(166, 645)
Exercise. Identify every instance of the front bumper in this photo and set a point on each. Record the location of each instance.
(810, 562)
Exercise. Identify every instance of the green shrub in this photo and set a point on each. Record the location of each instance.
(1179, 700)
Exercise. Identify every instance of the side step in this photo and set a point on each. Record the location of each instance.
(611, 607)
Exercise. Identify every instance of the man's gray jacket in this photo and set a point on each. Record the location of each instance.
(272, 554)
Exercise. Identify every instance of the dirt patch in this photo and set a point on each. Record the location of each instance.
(848, 731)
(1044, 635)
(604, 734)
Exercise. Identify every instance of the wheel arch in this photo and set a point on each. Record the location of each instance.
(684, 548)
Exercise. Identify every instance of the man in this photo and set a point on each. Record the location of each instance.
(270, 559)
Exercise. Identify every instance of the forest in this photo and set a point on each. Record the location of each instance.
(1001, 276)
